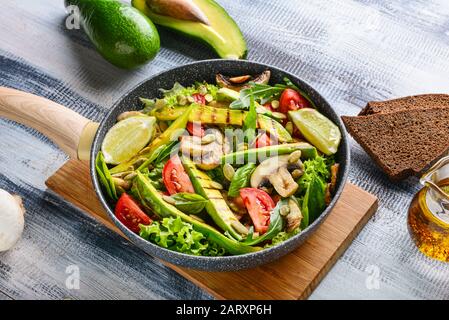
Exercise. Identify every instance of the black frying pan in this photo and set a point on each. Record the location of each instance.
(81, 139)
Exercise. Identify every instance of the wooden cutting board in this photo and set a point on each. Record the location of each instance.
(294, 276)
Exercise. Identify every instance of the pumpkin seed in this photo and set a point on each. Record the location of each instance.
(202, 90)
(130, 176)
(118, 182)
(209, 97)
(278, 115)
(228, 171)
(284, 210)
(216, 185)
(294, 157)
(296, 173)
(139, 162)
(169, 200)
(163, 126)
(144, 150)
(182, 100)
(289, 127)
(208, 138)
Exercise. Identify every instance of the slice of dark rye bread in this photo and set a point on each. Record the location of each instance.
(424, 101)
(403, 143)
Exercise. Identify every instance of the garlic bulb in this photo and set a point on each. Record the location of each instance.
(11, 220)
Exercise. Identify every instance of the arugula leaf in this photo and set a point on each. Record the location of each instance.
(276, 226)
(105, 176)
(155, 176)
(241, 179)
(261, 92)
(165, 152)
(177, 235)
(189, 203)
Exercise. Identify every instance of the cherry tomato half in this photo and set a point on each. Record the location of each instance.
(292, 100)
(262, 141)
(175, 177)
(259, 205)
(199, 98)
(195, 129)
(129, 213)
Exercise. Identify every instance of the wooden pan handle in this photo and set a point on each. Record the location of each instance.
(69, 130)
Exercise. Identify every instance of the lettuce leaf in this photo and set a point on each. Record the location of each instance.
(312, 187)
(177, 235)
(281, 237)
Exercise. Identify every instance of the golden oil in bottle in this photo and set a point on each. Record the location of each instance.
(428, 220)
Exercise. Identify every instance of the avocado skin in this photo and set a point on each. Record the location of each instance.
(120, 33)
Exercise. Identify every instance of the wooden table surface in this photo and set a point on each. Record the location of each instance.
(352, 51)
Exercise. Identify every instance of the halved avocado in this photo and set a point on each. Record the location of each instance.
(213, 25)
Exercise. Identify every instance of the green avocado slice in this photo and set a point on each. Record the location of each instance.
(151, 198)
(217, 208)
(219, 31)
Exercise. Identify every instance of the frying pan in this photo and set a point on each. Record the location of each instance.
(81, 139)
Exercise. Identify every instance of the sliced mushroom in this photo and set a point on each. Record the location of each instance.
(178, 9)
(275, 171)
(240, 79)
(328, 195)
(240, 82)
(205, 152)
(294, 216)
(263, 78)
(283, 182)
(334, 174)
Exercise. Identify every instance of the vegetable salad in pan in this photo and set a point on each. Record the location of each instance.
(221, 169)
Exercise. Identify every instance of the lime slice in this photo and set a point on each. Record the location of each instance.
(318, 129)
(126, 138)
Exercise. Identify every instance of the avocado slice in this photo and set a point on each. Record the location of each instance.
(150, 197)
(275, 128)
(257, 155)
(120, 33)
(217, 208)
(226, 94)
(209, 24)
(235, 117)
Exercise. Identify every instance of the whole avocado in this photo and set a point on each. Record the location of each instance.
(121, 34)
